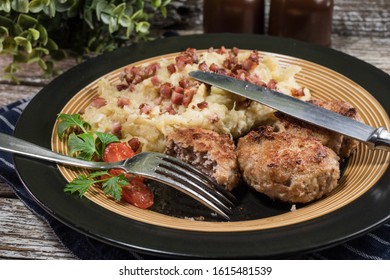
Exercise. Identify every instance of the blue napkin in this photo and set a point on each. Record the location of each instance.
(374, 245)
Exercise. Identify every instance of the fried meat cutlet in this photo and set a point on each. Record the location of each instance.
(287, 167)
(342, 145)
(208, 151)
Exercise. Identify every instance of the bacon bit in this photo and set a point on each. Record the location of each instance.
(242, 105)
(202, 105)
(135, 75)
(179, 89)
(117, 129)
(235, 51)
(214, 67)
(145, 108)
(184, 83)
(247, 64)
(272, 84)
(158, 100)
(297, 92)
(221, 50)
(170, 110)
(189, 56)
(203, 67)
(177, 97)
(223, 71)
(214, 118)
(155, 81)
(134, 144)
(122, 101)
(171, 68)
(254, 79)
(98, 102)
(166, 90)
(188, 95)
(122, 87)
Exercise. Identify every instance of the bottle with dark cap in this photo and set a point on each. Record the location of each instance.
(235, 16)
(306, 20)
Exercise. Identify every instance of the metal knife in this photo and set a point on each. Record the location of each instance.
(378, 138)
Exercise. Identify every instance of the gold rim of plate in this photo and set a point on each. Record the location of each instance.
(365, 167)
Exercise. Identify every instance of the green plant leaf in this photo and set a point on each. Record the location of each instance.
(42, 64)
(5, 6)
(137, 15)
(23, 42)
(113, 186)
(83, 144)
(156, 3)
(68, 121)
(20, 6)
(104, 140)
(50, 10)
(43, 36)
(142, 27)
(124, 20)
(3, 32)
(36, 6)
(118, 10)
(34, 33)
(26, 21)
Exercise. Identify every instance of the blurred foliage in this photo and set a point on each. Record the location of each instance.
(42, 31)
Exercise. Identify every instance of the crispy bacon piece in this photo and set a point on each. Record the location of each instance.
(98, 102)
(271, 84)
(134, 144)
(145, 108)
(297, 92)
(171, 68)
(177, 97)
(188, 95)
(166, 90)
(202, 105)
(189, 56)
(135, 75)
(203, 66)
(122, 101)
(116, 129)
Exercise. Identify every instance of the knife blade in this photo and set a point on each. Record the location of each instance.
(378, 138)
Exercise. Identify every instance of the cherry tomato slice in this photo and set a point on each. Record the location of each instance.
(117, 152)
(137, 193)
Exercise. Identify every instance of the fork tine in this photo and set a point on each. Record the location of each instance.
(190, 188)
(198, 186)
(197, 175)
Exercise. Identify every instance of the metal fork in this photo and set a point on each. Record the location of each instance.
(156, 166)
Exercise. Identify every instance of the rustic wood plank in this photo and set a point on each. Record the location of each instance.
(24, 236)
(6, 191)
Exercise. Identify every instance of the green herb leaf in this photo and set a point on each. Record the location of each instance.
(82, 145)
(103, 140)
(113, 186)
(67, 121)
(80, 184)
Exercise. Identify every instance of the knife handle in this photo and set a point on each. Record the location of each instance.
(380, 139)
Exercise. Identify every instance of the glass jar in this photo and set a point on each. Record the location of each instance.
(235, 16)
(306, 20)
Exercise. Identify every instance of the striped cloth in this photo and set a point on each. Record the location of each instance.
(374, 245)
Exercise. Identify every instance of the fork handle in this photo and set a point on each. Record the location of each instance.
(18, 146)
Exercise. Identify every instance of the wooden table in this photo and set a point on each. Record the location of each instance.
(25, 236)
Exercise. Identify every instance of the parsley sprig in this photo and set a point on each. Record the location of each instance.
(88, 145)
(112, 185)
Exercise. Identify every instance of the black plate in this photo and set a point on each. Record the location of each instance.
(45, 182)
